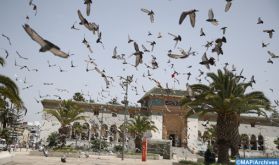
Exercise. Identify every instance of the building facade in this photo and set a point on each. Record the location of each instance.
(163, 108)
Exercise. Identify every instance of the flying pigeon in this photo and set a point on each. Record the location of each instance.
(202, 32)
(90, 26)
(45, 44)
(138, 54)
(272, 55)
(150, 13)
(270, 32)
(211, 18)
(88, 4)
(192, 15)
(176, 38)
(207, 62)
(260, 21)
(228, 5)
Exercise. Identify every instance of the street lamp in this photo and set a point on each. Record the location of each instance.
(126, 82)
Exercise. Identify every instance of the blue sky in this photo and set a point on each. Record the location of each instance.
(119, 18)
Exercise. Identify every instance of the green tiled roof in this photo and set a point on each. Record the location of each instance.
(164, 92)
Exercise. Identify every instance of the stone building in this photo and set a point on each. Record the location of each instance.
(163, 107)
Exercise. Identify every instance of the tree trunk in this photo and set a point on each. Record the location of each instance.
(138, 143)
(235, 137)
(63, 134)
(224, 130)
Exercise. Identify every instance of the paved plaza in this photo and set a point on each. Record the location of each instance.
(23, 158)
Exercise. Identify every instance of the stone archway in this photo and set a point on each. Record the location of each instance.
(104, 131)
(94, 131)
(113, 133)
(260, 142)
(253, 142)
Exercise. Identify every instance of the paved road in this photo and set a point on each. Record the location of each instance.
(22, 158)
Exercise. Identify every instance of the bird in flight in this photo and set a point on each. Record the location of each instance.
(202, 32)
(272, 55)
(270, 32)
(73, 27)
(150, 13)
(224, 29)
(192, 15)
(20, 56)
(260, 21)
(211, 18)
(88, 5)
(85, 42)
(8, 38)
(176, 38)
(228, 5)
(45, 44)
(207, 62)
(90, 26)
(138, 54)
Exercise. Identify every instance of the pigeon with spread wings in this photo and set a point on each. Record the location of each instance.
(150, 13)
(138, 54)
(192, 15)
(207, 62)
(211, 18)
(90, 26)
(45, 44)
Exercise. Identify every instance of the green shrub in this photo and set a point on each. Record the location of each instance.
(97, 144)
(117, 148)
(189, 162)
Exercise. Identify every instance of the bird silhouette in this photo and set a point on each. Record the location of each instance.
(6, 52)
(138, 54)
(211, 18)
(264, 44)
(176, 38)
(90, 26)
(152, 43)
(45, 44)
(202, 32)
(73, 27)
(260, 21)
(20, 56)
(224, 29)
(88, 6)
(144, 48)
(228, 5)
(129, 39)
(272, 55)
(8, 39)
(207, 62)
(269, 61)
(218, 45)
(270, 32)
(85, 42)
(192, 15)
(150, 13)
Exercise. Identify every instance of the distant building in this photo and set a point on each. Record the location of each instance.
(163, 107)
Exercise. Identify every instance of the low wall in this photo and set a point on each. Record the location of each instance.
(55, 154)
(150, 157)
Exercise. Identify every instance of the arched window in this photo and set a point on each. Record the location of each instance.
(261, 142)
(104, 131)
(76, 130)
(244, 141)
(253, 142)
(85, 131)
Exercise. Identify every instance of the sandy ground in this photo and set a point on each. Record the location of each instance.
(22, 158)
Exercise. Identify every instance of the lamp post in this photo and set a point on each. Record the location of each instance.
(126, 82)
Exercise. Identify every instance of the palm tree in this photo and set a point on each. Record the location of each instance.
(9, 97)
(138, 126)
(226, 96)
(67, 113)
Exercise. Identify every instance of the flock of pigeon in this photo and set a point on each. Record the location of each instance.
(147, 69)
